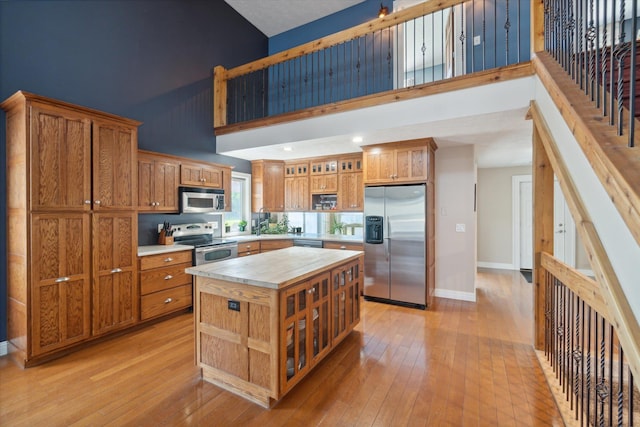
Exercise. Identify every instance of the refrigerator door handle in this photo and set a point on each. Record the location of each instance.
(386, 249)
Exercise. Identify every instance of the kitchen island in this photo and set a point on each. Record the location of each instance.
(263, 322)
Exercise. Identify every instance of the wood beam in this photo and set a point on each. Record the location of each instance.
(219, 96)
(542, 231)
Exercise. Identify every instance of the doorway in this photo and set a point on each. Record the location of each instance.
(564, 239)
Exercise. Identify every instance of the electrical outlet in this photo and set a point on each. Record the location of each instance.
(233, 305)
(476, 40)
(460, 228)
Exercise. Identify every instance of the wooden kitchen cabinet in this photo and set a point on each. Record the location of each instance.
(71, 171)
(115, 148)
(115, 290)
(296, 169)
(305, 335)
(346, 282)
(345, 246)
(351, 192)
(296, 193)
(296, 186)
(199, 175)
(164, 286)
(352, 163)
(60, 310)
(275, 244)
(248, 248)
(60, 147)
(323, 166)
(324, 183)
(267, 185)
(158, 181)
(398, 162)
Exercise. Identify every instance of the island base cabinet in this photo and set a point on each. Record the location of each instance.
(237, 338)
(259, 342)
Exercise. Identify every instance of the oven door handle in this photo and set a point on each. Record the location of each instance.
(215, 248)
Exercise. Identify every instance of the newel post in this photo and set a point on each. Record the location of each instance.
(219, 96)
(537, 26)
(542, 231)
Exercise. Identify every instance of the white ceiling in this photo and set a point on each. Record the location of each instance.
(277, 16)
(501, 135)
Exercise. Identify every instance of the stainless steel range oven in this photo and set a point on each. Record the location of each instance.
(209, 246)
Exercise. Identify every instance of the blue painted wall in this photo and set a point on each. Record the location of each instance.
(149, 60)
(346, 18)
(493, 17)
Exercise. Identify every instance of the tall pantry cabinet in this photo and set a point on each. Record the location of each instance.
(71, 225)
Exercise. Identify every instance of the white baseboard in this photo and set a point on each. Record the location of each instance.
(497, 265)
(3, 348)
(459, 295)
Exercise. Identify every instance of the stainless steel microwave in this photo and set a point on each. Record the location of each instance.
(201, 200)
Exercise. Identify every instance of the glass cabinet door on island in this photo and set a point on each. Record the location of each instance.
(305, 328)
(320, 299)
(294, 309)
(345, 295)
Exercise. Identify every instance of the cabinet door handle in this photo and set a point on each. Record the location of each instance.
(168, 300)
(312, 291)
(87, 202)
(168, 277)
(97, 202)
(343, 247)
(116, 270)
(62, 279)
(168, 259)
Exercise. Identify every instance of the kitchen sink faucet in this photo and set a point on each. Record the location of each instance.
(260, 220)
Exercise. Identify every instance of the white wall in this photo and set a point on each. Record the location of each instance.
(455, 251)
(614, 234)
(495, 222)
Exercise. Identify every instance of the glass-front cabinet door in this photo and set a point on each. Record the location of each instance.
(345, 296)
(320, 298)
(294, 309)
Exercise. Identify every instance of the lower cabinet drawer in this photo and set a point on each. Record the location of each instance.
(160, 279)
(338, 245)
(247, 253)
(163, 302)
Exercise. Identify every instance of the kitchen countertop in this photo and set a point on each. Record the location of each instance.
(275, 269)
(311, 236)
(161, 249)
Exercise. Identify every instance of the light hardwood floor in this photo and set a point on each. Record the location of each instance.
(458, 364)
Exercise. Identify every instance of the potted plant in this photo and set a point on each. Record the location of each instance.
(242, 225)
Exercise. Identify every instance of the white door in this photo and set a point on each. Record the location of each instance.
(526, 225)
(564, 237)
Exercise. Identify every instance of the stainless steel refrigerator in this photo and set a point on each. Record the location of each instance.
(395, 249)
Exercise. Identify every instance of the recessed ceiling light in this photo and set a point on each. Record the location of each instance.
(287, 148)
(357, 139)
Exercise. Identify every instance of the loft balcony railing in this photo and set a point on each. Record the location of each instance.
(590, 367)
(427, 43)
(596, 42)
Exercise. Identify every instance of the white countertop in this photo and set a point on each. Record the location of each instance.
(275, 269)
(161, 249)
(291, 236)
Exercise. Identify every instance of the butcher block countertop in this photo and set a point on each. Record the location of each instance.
(275, 269)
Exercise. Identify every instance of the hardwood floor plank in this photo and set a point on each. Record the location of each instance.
(457, 364)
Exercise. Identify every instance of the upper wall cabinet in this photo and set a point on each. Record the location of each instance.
(160, 175)
(199, 175)
(158, 180)
(398, 162)
(267, 185)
